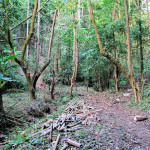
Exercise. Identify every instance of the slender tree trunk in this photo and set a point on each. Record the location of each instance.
(1, 104)
(27, 53)
(119, 14)
(53, 87)
(115, 75)
(77, 58)
(141, 48)
(100, 86)
(129, 77)
(129, 5)
(89, 17)
(79, 13)
(38, 37)
(128, 39)
(74, 63)
(147, 4)
(131, 73)
(56, 60)
(115, 67)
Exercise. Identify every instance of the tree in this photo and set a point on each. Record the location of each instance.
(31, 81)
(130, 76)
(141, 44)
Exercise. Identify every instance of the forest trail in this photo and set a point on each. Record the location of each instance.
(120, 119)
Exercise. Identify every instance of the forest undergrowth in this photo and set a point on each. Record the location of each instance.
(114, 127)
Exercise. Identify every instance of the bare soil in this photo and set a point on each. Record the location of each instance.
(123, 131)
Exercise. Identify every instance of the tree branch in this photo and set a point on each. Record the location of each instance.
(37, 74)
(26, 42)
(8, 32)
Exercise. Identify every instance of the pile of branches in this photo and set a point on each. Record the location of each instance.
(75, 116)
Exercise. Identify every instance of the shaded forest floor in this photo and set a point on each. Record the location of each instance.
(114, 128)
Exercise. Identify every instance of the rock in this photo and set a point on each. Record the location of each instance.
(117, 99)
(126, 94)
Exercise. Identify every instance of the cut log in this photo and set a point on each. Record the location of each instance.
(71, 142)
(140, 118)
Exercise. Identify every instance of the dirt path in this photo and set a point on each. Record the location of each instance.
(122, 128)
(123, 131)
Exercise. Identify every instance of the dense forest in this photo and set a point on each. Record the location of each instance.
(74, 74)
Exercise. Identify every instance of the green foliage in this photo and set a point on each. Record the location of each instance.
(19, 140)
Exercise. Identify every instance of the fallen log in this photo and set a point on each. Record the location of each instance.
(140, 118)
(71, 142)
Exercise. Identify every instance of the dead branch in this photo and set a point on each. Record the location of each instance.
(14, 122)
(57, 140)
(51, 133)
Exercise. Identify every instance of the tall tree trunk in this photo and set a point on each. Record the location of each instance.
(147, 4)
(74, 63)
(140, 42)
(115, 75)
(129, 77)
(79, 13)
(27, 53)
(77, 58)
(128, 39)
(131, 73)
(89, 17)
(119, 14)
(115, 67)
(38, 37)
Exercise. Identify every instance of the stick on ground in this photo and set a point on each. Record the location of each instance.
(71, 142)
(57, 140)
